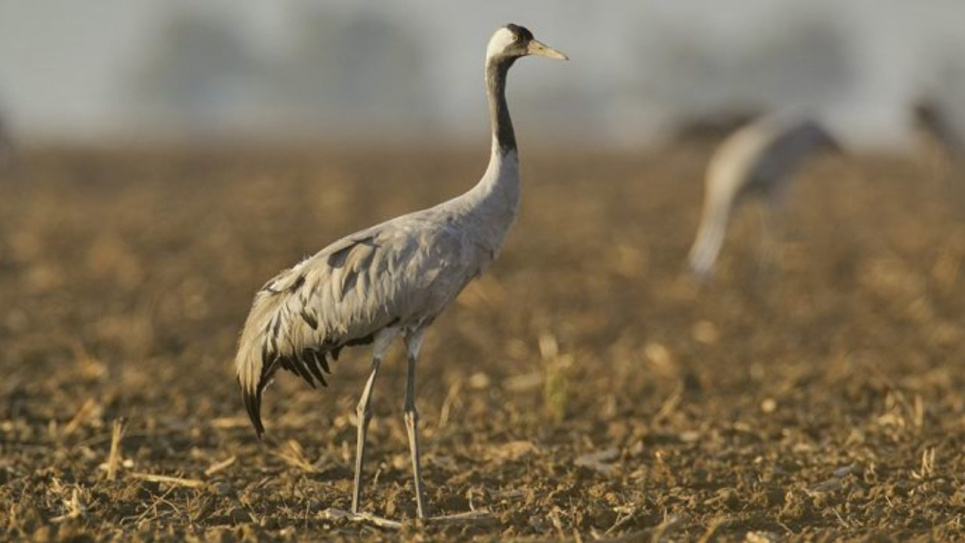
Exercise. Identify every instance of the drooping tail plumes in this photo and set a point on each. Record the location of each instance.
(250, 360)
(276, 336)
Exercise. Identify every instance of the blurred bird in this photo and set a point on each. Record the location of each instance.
(7, 147)
(760, 160)
(390, 280)
(937, 120)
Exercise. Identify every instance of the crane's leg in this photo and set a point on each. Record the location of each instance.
(765, 255)
(772, 236)
(364, 412)
(412, 343)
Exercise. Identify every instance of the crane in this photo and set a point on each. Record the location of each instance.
(7, 146)
(390, 280)
(938, 120)
(759, 159)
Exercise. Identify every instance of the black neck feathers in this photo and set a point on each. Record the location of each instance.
(502, 125)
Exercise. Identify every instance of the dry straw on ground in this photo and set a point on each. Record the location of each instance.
(584, 390)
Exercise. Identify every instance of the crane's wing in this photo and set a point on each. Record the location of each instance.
(343, 295)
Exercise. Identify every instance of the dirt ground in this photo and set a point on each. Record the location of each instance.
(585, 389)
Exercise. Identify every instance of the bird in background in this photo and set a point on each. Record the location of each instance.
(939, 121)
(7, 146)
(389, 280)
(758, 160)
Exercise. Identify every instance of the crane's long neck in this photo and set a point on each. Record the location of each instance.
(490, 206)
(504, 139)
(495, 198)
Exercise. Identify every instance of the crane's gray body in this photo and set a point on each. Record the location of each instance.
(759, 160)
(399, 274)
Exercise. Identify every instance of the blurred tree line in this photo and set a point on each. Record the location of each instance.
(203, 74)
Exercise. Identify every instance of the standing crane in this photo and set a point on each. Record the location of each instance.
(757, 160)
(390, 280)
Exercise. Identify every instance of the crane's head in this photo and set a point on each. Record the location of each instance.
(513, 41)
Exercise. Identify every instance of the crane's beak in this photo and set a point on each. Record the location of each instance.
(542, 50)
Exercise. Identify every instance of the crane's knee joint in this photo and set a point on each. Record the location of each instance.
(411, 413)
(363, 413)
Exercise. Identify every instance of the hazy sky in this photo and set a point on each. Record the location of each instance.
(71, 72)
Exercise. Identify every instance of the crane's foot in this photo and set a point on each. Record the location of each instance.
(333, 513)
(478, 516)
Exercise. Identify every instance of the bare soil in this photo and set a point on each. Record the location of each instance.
(585, 389)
